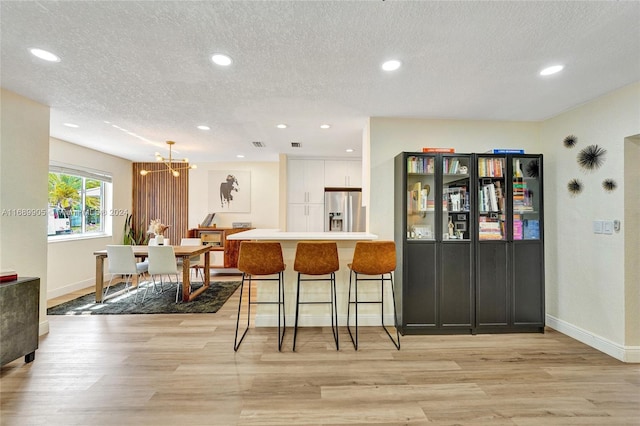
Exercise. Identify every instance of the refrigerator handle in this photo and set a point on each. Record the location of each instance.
(348, 201)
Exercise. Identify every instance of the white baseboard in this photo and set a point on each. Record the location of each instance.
(43, 327)
(623, 353)
(61, 291)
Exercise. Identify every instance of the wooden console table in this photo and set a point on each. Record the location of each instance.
(217, 238)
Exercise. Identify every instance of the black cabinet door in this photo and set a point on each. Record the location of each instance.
(455, 285)
(419, 299)
(528, 287)
(492, 298)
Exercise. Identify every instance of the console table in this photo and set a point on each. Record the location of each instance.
(20, 308)
(217, 238)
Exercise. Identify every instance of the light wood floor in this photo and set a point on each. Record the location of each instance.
(182, 370)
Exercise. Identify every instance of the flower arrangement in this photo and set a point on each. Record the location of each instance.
(156, 227)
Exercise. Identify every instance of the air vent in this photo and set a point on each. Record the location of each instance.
(296, 145)
(258, 144)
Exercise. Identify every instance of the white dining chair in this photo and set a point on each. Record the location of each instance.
(195, 260)
(123, 262)
(162, 261)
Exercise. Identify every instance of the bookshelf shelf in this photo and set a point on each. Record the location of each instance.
(476, 265)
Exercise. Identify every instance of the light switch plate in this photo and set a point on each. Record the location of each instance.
(597, 227)
(607, 227)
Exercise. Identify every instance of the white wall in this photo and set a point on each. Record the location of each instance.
(391, 136)
(71, 263)
(585, 271)
(24, 158)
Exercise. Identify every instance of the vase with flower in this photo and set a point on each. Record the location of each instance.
(157, 228)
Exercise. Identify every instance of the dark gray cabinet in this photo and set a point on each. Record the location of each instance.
(469, 235)
(433, 234)
(19, 319)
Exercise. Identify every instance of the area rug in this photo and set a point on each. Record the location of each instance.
(155, 303)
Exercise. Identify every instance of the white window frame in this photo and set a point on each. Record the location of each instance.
(106, 200)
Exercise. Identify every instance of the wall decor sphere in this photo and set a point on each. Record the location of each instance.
(574, 186)
(570, 141)
(609, 185)
(591, 157)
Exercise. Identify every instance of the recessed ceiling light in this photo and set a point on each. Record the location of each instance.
(43, 54)
(349, 150)
(391, 65)
(204, 127)
(281, 126)
(220, 59)
(324, 126)
(75, 126)
(240, 156)
(552, 70)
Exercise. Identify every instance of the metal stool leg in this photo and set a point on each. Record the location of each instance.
(396, 342)
(236, 343)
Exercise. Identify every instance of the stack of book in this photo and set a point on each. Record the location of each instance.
(8, 275)
(489, 229)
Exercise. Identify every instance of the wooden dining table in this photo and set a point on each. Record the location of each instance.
(185, 252)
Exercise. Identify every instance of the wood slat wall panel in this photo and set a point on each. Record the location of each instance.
(161, 196)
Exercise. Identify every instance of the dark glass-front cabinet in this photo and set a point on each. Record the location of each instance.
(469, 236)
(510, 251)
(434, 223)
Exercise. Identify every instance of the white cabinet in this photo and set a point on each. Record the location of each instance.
(305, 217)
(343, 174)
(305, 195)
(305, 181)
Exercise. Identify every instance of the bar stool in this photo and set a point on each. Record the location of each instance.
(317, 258)
(373, 258)
(259, 261)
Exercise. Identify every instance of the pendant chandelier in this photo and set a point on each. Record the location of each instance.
(175, 171)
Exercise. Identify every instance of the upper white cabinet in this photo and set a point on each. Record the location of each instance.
(305, 181)
(343, 174)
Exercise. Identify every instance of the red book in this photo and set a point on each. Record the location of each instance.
(8, 275)
(448, 150)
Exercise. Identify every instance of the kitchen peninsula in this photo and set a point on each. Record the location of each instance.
(313, 315)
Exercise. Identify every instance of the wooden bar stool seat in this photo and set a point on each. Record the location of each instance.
(317, 259)
(261, 261)
(373, 258)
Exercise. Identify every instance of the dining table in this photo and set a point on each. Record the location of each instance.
(184, 252)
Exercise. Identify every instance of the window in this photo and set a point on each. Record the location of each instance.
(78, 202)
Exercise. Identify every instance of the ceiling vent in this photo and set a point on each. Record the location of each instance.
(296, 145)
(258, 144)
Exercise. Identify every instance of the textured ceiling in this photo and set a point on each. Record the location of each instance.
(145, 67)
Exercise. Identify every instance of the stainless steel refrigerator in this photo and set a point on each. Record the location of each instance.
(343, 210)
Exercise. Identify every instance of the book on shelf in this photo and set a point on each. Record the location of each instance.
(7, 275)
(531, 229)
(422, 165)
(517, 229)
(442, 150)
(506, 151)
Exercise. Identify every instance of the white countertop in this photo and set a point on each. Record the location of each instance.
(277, 235)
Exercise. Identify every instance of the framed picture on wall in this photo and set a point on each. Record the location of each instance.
(230, 191)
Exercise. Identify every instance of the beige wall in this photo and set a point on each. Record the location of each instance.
(71, 264)
(24, 159)
(586, 271)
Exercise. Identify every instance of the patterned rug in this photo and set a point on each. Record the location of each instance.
(155, 303)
